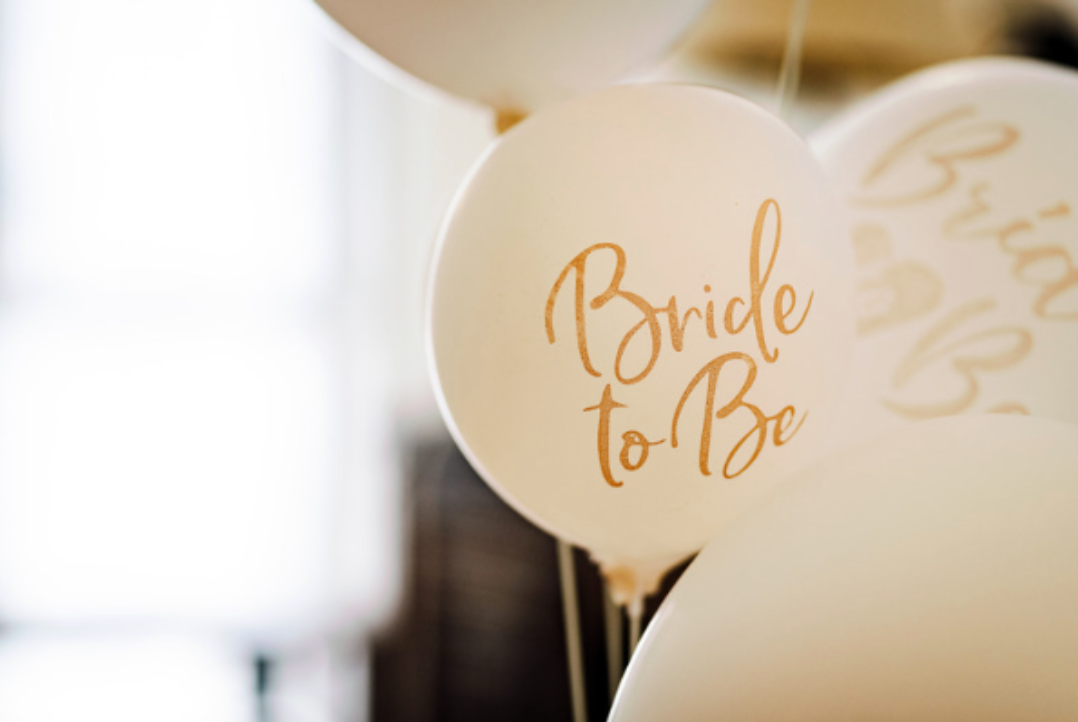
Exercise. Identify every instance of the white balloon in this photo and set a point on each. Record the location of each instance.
(926, 575)
(516, 56)
(638, 318)
(961, 186)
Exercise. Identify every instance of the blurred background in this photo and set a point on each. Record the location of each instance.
(225, 491)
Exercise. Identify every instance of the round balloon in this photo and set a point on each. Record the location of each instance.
(515, 56)
(637, 318)
(961, 186)
(925, 575)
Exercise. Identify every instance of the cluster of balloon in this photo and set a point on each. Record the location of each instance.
(515, 57)
(638, 316)
(927, 574)
(960, 184)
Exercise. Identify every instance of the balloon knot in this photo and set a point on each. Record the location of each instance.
(506, 118)
(628, 586)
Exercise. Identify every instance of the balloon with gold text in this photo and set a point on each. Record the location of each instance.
(961, 189)
(639, 318)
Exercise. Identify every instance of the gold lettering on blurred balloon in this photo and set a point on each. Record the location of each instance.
(1046, 265)
(1010, 407)
(595, 280)
(902, 291)
(925, 163)
(951, 161)
(993, 349)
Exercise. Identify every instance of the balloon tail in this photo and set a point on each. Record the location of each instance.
(790, 74)
(573, 645)
(615, 661)
(629, 583)
(506, 118)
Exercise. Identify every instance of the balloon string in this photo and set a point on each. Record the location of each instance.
(635, 614)
(614, 640)
(790, 75)
(573, 646)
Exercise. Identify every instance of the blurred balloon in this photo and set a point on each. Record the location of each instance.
(516, 56)
(926, 575)
(961, 185)
(638, 318)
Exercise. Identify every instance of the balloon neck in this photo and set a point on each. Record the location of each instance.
(629, 583)
(506, 118)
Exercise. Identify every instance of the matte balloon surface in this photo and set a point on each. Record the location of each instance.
(638, 317)
(961, 184)
(928, 574)
(516, 56)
